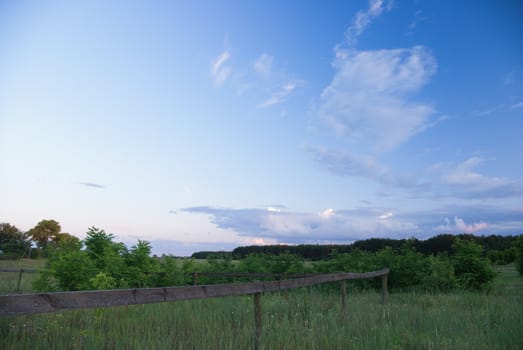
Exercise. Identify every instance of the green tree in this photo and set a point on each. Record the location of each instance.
(45, 232)
(13, 242)
(140, 265)
(96, 242)
(64, 242)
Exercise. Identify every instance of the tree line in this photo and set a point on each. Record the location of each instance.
(499, 249)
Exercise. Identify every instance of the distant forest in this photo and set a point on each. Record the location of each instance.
(496, 248)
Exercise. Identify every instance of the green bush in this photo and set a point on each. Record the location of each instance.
(73, 270)
(473, 272)
(102, 281)
(440, 276)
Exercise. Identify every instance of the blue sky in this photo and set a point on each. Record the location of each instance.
(205, 126)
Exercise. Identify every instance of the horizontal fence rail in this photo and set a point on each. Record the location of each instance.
(18, 270)
(253, 274)
(282, 275)
(19, 304)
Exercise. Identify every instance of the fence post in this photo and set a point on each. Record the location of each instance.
(19, 281)
(195, 278)
(343, 285)
(384, 290)
(257, 321)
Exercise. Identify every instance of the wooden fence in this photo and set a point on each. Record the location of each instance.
(20, 272)
(20, 304)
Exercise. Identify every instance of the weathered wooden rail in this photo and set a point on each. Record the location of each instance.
(283, 275)
(20, 304)
(19, 270)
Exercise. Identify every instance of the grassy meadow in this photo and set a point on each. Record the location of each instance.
(300, 319)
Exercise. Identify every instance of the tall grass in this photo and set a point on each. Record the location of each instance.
(300, 319)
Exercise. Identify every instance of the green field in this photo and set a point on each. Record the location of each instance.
(300, 319)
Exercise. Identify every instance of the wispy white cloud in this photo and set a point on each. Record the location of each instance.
(261, 79)
(436, 181)
(510, 78)
(273, 209)
(327, 213)
(219, 70)
(272, 81)
(369, 100)
(345, 163)
(465, 181)
(418, 17)
(489, 111)
(500, 108)
(363, 18)
(517, 105)
(282, 94)
(263, 65)
(92, 184)
(386, 216)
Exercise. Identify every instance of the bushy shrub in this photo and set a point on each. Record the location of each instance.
(169, 274)
(473, 272)
(502, 257)
(440, 276)
(73, 270)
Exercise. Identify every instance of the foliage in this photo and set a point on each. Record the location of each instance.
(13, 242)
(140, 265)
(169, 273)
(102, 264)
(519, 255)
(473, 272)
(97, 243)
(73, 270)
(440, 276)
(502, 257)
(285, 263)
(102, 281)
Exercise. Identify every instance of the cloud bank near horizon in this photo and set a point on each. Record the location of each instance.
(344, 225)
